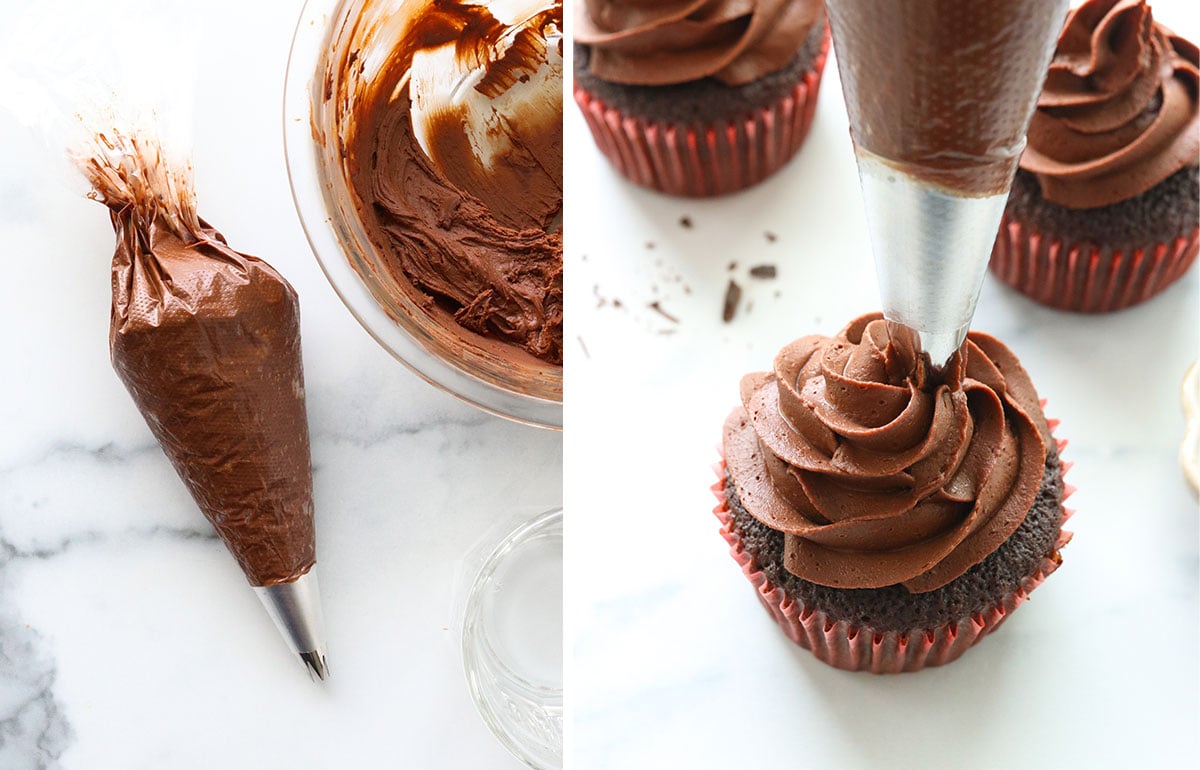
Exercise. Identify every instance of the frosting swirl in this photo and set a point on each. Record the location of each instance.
(875, 474)
(1118, 113)
(662, 42)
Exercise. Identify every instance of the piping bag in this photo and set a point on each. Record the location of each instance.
(939, 94)
(206, 339)
(207, 342)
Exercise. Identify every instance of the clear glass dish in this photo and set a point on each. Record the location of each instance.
(326, 32)
(511, 627)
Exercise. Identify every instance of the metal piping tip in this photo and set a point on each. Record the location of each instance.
(296, 609)
(931, 253)
(316, 664)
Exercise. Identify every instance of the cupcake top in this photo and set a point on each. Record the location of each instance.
(664, 42)
(878, 475)
(1118, 114)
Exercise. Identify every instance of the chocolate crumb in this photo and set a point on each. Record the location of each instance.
(763, 271)
(771, 237)
(617, 303)
(657, 308)
(733, 295)
(732, 266)
(685, 222)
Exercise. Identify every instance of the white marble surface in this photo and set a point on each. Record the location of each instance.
(675, 662)
(128, 637)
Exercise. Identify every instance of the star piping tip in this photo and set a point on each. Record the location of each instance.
(315, 662)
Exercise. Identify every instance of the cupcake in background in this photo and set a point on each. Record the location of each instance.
(887, 520)
(699, 97)
(1104, 210)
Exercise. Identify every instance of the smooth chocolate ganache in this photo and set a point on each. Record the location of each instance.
(207, 341)
(1118, 114)
(943, 89)
(878, 475)
(455, 158)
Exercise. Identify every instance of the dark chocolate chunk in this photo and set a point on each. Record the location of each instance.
(733, 295)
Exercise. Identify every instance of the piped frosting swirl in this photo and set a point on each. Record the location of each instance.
(876, 474)
(663, 42)
(1118, 113)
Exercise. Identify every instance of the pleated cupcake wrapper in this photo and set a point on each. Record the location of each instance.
(846, 646)
(1081, 277)
(700, 160)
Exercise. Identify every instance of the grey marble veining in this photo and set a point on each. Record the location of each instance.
(33, 728)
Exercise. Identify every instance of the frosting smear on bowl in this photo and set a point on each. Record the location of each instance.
(455, 156)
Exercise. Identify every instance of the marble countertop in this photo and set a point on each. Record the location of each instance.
(128, 636)
(675, 662)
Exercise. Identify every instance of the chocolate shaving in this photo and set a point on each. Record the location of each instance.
(733, 295)
(762, 271)
(685, 222)
(657, 308)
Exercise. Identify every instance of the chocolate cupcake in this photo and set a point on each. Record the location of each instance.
(1104, 210)
(703, 97)
(889, 521)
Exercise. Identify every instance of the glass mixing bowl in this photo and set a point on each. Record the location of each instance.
(527, 391)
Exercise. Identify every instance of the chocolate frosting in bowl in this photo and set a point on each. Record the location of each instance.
(1118, 114)
(663, 42)
(469, 228)
(877, 474)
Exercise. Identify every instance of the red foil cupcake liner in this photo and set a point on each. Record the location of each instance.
(1082, 277)
(701, 160)
(852, 648)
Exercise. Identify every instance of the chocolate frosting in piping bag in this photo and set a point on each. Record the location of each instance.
(939, 94)
(207, 341)
(944, 89)
(1118, 113)
(876, 474)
